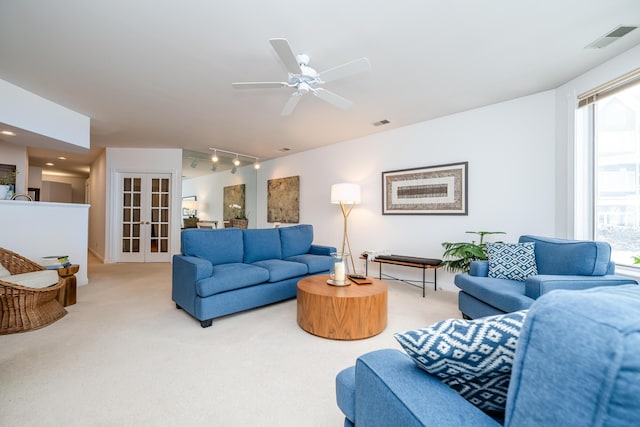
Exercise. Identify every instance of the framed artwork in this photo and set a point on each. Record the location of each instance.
(430, 190)
(283, 200)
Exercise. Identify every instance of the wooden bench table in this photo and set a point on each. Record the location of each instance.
(407, 261)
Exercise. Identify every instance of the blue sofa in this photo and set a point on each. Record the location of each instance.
(229, 270)
(561, 264)
(576, 364)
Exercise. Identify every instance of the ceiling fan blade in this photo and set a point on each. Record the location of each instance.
(282, 48)
(258, 85)
(332, 98)
(345, 70)
(291, 104)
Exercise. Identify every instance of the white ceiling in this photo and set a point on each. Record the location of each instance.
(159, 73)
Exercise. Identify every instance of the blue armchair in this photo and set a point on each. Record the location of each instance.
(561, 264)
(575, 365)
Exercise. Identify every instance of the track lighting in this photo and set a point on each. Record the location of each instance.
(194, 163)
(236, 157)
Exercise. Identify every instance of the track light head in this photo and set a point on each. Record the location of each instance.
(236, 161)
(256, 165)
(214, 158)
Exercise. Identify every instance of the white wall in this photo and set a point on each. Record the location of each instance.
(209, 190)
(511, 153)
(566, 104)
(35, 177)
(98, 212)
(77, 186)
(38, 229)
(55, 192)
(33, 113)
(140, 160)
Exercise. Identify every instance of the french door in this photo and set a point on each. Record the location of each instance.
(145, 217)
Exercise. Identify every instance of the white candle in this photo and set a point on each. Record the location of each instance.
(339, 272)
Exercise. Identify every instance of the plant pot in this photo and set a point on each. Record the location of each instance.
(190, 222)
(239, 223)
(4, 190)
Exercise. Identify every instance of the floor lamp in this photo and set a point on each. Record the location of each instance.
(347, 195)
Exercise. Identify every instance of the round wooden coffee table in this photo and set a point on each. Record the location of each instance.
(342, 312)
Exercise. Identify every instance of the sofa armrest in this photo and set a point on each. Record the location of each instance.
(321, 250)
(536, 286)
(479, 268)
(186, 271)
(392, 390)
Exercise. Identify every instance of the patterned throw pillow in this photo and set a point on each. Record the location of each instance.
(473, 357)
(514, 261)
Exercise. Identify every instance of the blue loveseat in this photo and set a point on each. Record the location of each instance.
(576, 364)
(561, 264)
(229, 270)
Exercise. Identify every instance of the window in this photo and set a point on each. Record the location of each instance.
(608, 168)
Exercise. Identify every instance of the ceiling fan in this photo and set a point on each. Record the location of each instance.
(305, 79)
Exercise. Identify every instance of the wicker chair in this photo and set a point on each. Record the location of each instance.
(24, 309)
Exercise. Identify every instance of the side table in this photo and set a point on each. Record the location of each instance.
(67, 295)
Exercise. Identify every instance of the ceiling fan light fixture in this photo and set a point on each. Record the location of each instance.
(305, 79)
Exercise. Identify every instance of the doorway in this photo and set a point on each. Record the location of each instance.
(144, 218)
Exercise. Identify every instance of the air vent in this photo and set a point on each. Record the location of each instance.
(612, 36)
(381, 122)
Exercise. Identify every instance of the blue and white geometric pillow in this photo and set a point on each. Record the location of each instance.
(514, 261)
(473, 357)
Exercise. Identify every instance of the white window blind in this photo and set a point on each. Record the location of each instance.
(609, 88)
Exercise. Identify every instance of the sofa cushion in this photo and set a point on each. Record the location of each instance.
(216, 246)
(503, 294)
(314, 263)
(280, 270)
(580, 257)
(296, 240)
(34, 279)
(261, 244)
(231, 276)
(513, 261)
(4, 272)
(346, 392)
(473, 357)
(578, 362)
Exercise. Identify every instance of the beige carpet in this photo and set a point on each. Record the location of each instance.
(125, 356)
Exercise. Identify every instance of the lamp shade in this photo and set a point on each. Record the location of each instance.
(345, 193)
(190, 204)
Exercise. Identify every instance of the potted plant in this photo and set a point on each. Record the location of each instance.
(6, 181)
(190, 222)
(240, 220)
(458, 255)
